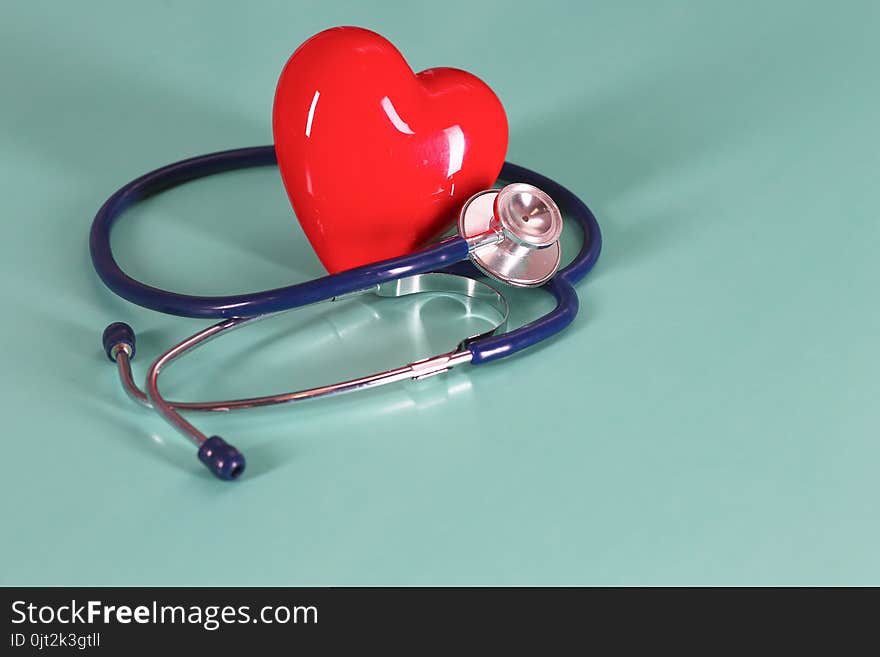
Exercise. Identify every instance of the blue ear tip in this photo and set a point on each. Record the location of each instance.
(221, 458)
(116, 334)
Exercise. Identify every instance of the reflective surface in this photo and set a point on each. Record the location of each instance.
(710, 417)
(528, 215)
(377, 161)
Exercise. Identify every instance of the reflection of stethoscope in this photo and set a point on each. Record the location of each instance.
(511, 235)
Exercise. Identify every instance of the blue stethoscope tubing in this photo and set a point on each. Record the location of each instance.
(447, 255)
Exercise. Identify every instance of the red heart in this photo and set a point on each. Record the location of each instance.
(377, 160)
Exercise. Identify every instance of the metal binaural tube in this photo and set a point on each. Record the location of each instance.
(163, 406)
(442, 283)
(224, 460)
(123, 365)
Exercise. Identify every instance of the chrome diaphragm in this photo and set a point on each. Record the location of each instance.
(514, 234)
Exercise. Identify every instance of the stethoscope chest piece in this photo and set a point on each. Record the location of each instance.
(516, 232)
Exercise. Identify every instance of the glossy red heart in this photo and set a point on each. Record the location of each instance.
(378, 160)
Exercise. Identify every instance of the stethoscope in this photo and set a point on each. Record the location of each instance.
(510, 234)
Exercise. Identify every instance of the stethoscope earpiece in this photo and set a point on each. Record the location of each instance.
(117, 337)
(222, 459)
(513, 234)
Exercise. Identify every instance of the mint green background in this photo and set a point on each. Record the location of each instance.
(712, 417)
